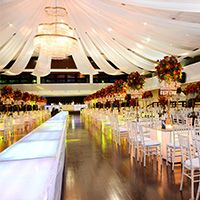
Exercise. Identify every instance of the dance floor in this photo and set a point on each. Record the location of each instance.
(96, 169)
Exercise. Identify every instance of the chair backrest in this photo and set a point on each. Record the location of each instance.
(197, 131)
(114, 122)
(131, 131)
(140, 133)
(184, 142)
(196, 145)
(197, 122)
(8, 123)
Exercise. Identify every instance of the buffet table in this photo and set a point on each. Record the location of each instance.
(32, 168)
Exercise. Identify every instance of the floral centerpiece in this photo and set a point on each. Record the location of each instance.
(169, 69)
(17, 95)
(120, 86)
(41, 101)
(198, 85)
(119, 89)
(7, 95)
(147, 94)
(7, 92)
(26, 97)
(163, 101)
(109, 93)
(191, 89)
(135, 81)
(169, 72)
(133, 102)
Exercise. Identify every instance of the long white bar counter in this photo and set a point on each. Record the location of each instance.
(32, 168)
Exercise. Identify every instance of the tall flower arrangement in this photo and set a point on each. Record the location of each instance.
(133, 102)
(120, 87)
(147, 94)
(41, 101)
(7, 96)
(169, 72)
(135, 81)
(7, 92)
(163, 101)
(192, 88)
(169, 69)
(17, 95)
(26, 97)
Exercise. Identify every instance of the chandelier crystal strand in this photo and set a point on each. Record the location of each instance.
(55, 39)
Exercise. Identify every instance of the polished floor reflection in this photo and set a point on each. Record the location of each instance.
(97, 169)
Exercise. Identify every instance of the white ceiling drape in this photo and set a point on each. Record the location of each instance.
(43, 66)
(120, 36)
(178, 5)
(81, 60)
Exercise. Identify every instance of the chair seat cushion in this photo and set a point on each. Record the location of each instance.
(138, 139)
(123, 129)
(170, 145)
(195, 163)
(151, 143)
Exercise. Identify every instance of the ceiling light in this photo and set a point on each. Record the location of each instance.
(109, 29)
(185, 54)
(140, 46)
(54, 39)
(148, 39)
(145, 23)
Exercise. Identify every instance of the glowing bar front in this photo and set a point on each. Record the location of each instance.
(32, 168)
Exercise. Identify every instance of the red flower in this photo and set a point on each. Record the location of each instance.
(7, 91)
(147, 94)
(17, 95)
(169, 66)
(135, 81)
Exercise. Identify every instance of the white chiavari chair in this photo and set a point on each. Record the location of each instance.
(149, 147)
(119, 131)
(190, 161)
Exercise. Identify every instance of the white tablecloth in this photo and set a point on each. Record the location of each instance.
(32, 168)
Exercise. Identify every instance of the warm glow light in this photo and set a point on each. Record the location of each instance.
(55, 39)
(148, 39)
(140, 46)
(109, 29)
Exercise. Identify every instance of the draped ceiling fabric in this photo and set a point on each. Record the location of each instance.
(130, 34)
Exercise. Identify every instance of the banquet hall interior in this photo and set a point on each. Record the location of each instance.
(100, 99)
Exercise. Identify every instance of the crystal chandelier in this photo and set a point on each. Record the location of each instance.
(55, 39)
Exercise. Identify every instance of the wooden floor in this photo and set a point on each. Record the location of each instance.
(97, 169)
